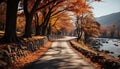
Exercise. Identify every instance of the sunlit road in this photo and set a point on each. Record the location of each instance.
(60, 56)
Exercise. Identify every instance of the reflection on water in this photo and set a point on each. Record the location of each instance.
(113, 45)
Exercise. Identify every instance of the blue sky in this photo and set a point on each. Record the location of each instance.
(106, 7)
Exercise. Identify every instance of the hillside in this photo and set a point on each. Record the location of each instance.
(110, 19)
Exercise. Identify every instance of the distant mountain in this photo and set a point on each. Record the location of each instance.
(110, 19)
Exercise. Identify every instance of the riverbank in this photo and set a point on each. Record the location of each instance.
(107, 45)
(99, 59)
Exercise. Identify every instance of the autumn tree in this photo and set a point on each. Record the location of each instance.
(104, 31)
(113, 29)
(49, 12)
(30, 7)
(61, 23)
(11, 15)
(91, 29)
(48, 6)
(80, 8)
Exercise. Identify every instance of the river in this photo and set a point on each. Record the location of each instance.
(110, 45)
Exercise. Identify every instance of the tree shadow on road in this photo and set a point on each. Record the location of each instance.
(59, 63)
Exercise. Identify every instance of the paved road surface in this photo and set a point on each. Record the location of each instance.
(60, 56)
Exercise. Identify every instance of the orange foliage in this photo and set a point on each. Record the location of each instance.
(30, 58)
(63, 22)
(20, 23)
(79, 7)
(92, 27)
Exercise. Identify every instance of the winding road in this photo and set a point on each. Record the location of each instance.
(60, 56)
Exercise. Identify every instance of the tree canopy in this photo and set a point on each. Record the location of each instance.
(45, 16)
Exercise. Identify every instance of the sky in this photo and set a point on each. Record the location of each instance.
(106, 7)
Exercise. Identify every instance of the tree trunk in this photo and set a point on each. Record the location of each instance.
(79, 34)
(29, 17)
(37, 30)
(79, 29)
(86, 38)
(37, 27)
(45, 22)
(28, 30)
(43, 30)
(49, 30)
(11, 16)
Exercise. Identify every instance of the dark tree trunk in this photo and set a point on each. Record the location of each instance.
(79, 29)
(45, 23)
(11, 16)
(79, 34)
(86, 37)
(37, 30)
(28, 29)
(37, 26)
(49, 30)
(29, 17)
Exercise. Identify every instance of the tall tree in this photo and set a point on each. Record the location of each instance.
(30, 7)
(81, 9)
(37, 28)
(47, 13)
(11, 15)
(91, 28)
